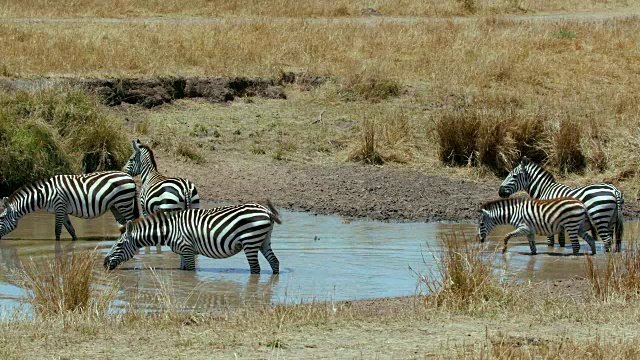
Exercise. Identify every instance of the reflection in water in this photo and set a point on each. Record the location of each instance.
(321, 258)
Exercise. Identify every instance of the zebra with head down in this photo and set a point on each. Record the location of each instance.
(216, 233)
(603, 201)
(86, 196)
(531, 217)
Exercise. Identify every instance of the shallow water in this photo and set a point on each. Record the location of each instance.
(321, 257)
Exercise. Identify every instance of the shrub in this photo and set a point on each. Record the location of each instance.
(618, 278)
(565, 150)
(495, 138)
(369, 87)
(56, 131)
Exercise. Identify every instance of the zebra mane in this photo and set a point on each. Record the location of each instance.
(153, 157)
(535, 167)
(491, 205)
(160, 213)
(33, 184)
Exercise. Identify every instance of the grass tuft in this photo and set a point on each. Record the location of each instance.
(65, 284)
(465, 280)
(618, 278)
(366, 151)
(565, 149)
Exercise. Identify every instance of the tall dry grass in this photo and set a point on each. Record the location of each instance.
(464, 279)
(292, 8)
(66, 284)
(618, 279)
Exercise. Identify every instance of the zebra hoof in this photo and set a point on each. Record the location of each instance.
(534, 253)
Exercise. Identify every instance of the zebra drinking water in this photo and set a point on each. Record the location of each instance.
(603, 201)
(157, 191)
(216, 233)
(86, 196)
(531, 217)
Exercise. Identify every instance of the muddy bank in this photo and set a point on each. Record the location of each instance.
(152, 92)
(351, 190)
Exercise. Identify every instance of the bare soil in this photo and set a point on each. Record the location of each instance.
(351, 190)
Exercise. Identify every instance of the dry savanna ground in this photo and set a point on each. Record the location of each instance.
(565, 93)
(290, 8)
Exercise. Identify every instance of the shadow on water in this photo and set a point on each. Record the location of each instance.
(322, 258)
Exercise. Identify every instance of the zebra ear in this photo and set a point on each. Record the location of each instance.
(136, 148)
(129, 228)
(485, 212)
(524, 161)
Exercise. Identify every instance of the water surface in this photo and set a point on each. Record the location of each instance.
(324, 258)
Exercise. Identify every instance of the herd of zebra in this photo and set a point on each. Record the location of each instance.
(170, 208)
(554, 208)
(172, 215)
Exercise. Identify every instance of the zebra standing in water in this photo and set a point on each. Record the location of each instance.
(531, 217)
(157, 191)
(85, 196)
(216, 233)
(603, 201)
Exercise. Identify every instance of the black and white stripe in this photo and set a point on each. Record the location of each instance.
(603, 201)
(159, 192)
(216, 233)
(543, 217)
(85, 196)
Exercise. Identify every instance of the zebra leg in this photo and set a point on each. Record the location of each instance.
(188, 261)
(561, 242)
(551, 240)
(520, 231)
(266, 251)
(119, 218)
(252, 257)
(69, 227)
(575, 244)
(592, 243)
(59, 222)
(532, 243)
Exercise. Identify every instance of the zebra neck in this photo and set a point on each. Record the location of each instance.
(540, 183)
(149, 173)
(153, 230)
(30, 199)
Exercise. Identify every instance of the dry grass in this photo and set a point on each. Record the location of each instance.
(65, 284)
(495, 138)
(618, 279)
(291, 8)
(464, 279)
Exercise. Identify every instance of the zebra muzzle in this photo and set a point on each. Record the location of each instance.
(107, 260)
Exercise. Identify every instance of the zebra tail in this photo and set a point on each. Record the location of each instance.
(619, 218)
(136, 207)
(187, 200)
(275, 215)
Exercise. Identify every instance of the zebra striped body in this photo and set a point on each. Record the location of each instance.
(603, 201)
(159, 192)
(543, 217)
(85, 196)
(216, 233)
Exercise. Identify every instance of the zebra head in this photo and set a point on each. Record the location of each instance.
(485, 225)
(518, 179)
(133, 167)
(122, 250)
(8, 218)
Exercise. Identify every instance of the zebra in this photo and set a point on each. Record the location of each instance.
(158, 191)
(216, 233)
(603, 201)
(86, 196)
(544, 217)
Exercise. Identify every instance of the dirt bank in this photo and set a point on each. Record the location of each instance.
(351, 190)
